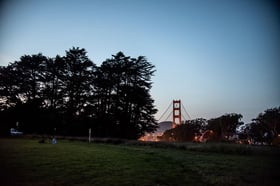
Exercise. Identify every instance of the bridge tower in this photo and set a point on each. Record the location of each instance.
(177, 119)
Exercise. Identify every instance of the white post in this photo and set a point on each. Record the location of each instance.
(89, 135)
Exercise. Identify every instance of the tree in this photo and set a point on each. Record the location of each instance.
(22, 81)
(54, 79)
(29, 72)
(78, 80)
(8, 87)
(186, 131)
(72, 94)
(225, 125)
(22, 90)
(266, 126)
(124, 102)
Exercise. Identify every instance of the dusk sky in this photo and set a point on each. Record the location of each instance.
(217, 56)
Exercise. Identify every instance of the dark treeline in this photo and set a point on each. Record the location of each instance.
(222, 127)
(69, 94)
(229, 127)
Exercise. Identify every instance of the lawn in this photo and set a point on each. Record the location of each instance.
(27, 162)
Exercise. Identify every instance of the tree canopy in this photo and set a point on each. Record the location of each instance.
(185, 132)
(70, 94)
(225, 125)
(266, 127)
(222, 127)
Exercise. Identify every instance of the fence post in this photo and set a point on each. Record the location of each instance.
(89, 135)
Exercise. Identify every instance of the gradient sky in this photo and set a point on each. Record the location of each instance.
(217, 56)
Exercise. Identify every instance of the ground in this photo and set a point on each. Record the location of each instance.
(27, 162)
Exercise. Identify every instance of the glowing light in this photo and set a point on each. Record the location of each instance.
(150, 137)
(249, 141)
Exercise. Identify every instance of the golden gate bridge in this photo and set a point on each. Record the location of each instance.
(178, 112)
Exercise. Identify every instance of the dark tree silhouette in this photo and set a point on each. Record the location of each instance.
(29, 75)
(77, 87)
(78, 80)
(54, 82)
(8, 87)
(186, 131)
(225, 125)
(23, 85)
(266, 127)
(22, 81)
(71, 94)
(123, 99)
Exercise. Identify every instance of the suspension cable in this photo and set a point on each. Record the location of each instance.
(165, 111)
(169, 115)
(186, 111)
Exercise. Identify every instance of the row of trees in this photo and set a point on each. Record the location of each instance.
(222, 126)
(70, 94)
(264, 128)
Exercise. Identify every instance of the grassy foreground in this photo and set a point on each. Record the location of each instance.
(27, 162)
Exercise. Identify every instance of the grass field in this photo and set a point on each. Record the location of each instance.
(27, 162)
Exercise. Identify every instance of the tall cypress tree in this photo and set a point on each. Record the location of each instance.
(123, 87)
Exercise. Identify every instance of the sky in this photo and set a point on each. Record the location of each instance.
(216, 56)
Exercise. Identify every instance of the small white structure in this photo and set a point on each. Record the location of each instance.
(14, 132)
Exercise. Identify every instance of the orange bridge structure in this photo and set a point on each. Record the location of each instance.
(178, 113)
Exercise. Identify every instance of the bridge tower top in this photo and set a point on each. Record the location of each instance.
(177, 116)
